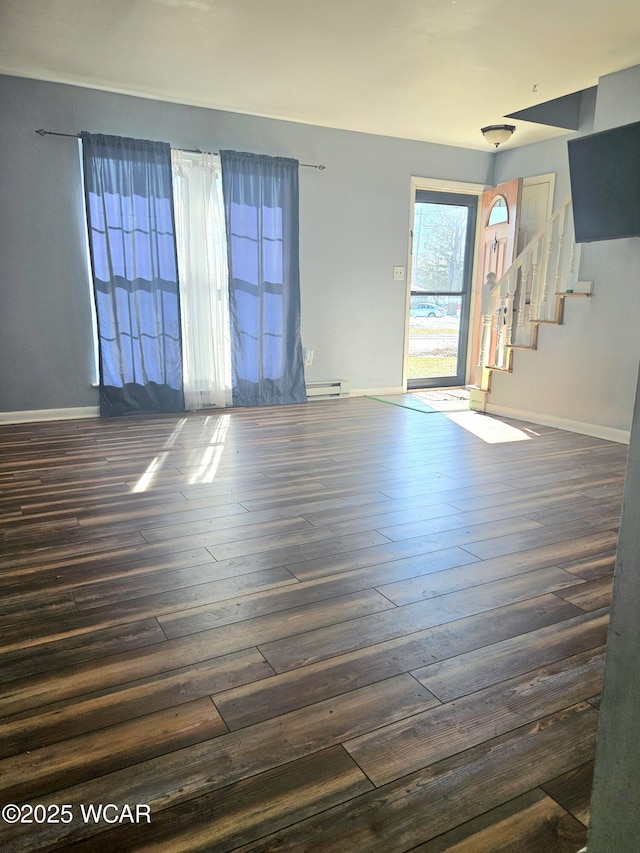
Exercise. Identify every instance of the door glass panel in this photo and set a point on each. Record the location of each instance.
(440, 283)
(434, 336)
(499, 212)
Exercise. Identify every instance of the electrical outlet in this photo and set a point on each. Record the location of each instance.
(398, 273)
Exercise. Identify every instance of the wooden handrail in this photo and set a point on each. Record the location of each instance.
(517, 263)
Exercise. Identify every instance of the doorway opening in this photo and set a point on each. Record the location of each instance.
(441, 276)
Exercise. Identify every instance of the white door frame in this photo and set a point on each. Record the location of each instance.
(438, 185)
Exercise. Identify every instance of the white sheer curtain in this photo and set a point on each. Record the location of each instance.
(202, 265)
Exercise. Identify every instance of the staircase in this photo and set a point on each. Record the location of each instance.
(530, 294)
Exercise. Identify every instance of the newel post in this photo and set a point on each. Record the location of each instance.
(485, 339)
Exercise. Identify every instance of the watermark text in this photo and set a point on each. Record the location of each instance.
(111, 813)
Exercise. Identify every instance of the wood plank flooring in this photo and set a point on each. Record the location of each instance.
(347, 626)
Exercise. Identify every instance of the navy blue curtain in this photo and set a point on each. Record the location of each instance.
(129, 201)
(261, 206)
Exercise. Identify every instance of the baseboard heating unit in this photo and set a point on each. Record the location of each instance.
(328, 389)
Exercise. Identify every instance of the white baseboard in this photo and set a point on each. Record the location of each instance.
(377, 392)
(49, 415)
(596, 430)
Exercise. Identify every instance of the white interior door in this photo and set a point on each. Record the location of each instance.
(536, 207)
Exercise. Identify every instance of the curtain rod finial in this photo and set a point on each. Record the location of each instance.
(42, 131)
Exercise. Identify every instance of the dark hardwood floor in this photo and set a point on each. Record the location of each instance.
(347, 626)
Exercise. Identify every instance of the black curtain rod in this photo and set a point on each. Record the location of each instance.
(44, 132)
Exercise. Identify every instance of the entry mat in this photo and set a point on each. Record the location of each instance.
(438, 400)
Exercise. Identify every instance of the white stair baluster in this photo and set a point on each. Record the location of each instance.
(513, 307)
(558, 278)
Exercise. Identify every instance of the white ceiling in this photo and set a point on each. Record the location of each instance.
(434, 70)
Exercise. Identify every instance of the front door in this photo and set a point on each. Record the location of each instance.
(497, 242)
(442, 258)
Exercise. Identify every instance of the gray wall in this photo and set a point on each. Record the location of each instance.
(615, 804)
(584, 371)
(354, 226)
(615, 812)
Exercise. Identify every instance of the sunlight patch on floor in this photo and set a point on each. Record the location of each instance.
(210, 459)
(488, 428)
(158, 461)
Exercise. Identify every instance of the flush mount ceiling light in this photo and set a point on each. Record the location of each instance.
(495, 134)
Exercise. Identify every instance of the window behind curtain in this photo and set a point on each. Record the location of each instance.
(128, 196)
(204, 285)
(261, 204)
